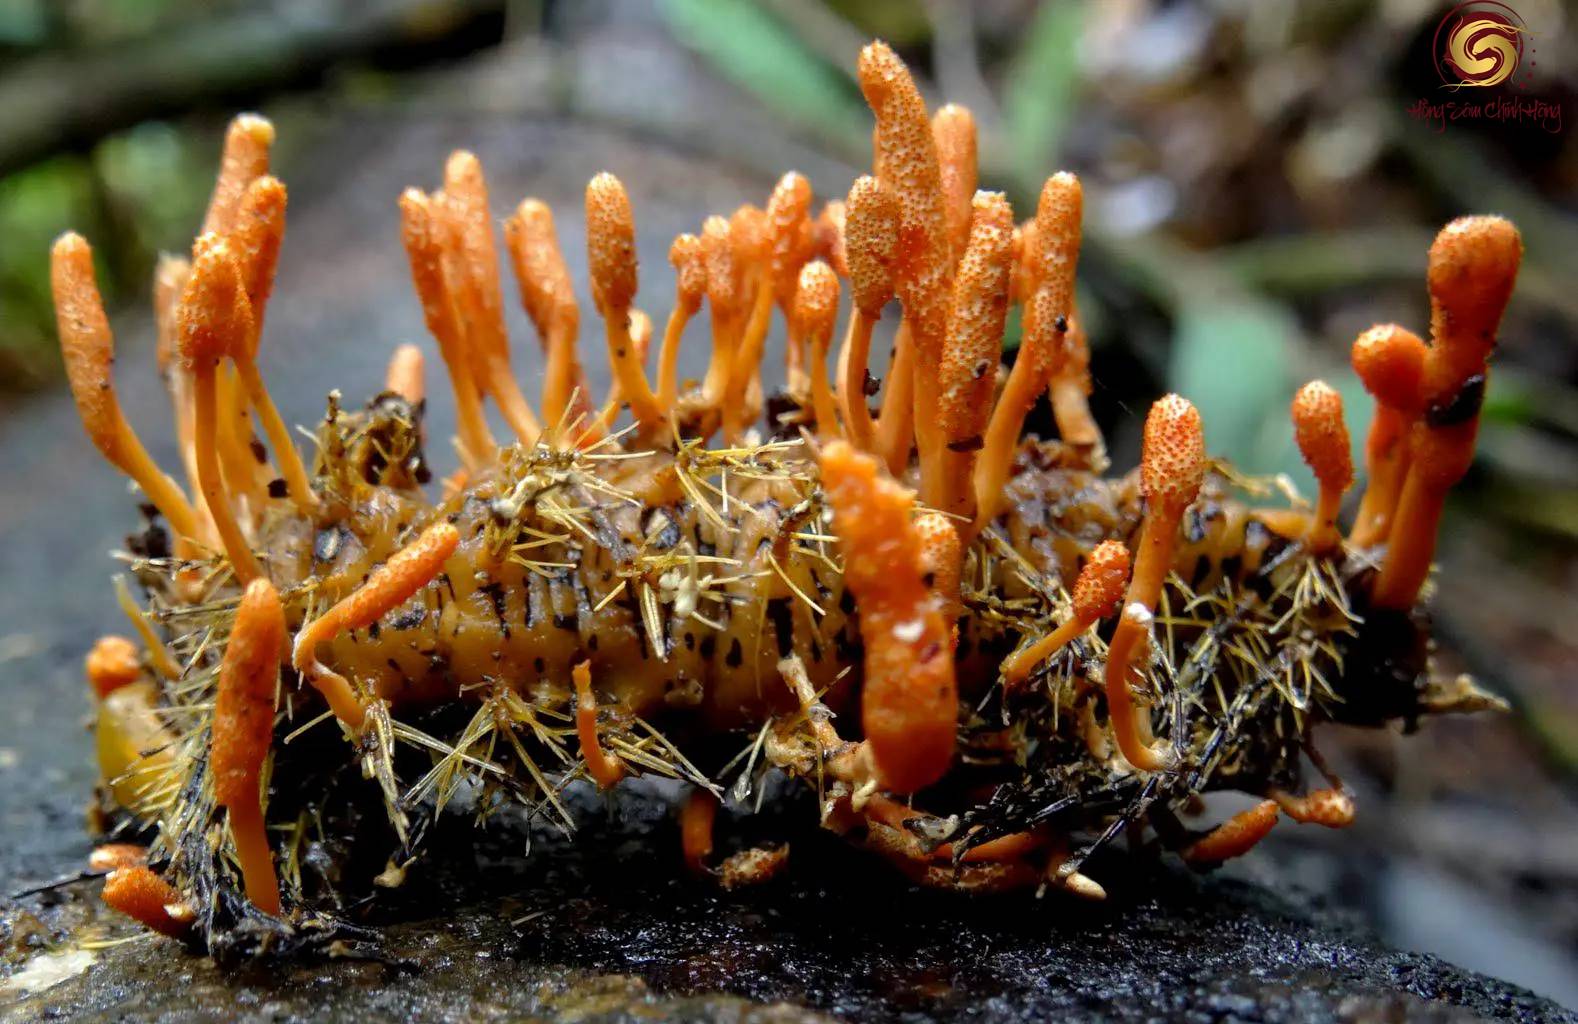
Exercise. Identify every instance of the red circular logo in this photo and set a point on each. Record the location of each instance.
(1478, 44)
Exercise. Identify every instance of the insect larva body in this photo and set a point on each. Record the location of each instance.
(982, 687)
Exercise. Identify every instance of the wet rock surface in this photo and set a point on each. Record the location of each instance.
(612, 929)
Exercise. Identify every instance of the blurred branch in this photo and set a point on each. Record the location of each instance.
(72, 98)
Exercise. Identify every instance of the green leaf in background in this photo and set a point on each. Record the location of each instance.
(1040, 88)
(1234, 362)
(753, 49)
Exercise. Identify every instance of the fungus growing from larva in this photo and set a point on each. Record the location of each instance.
(984, 655)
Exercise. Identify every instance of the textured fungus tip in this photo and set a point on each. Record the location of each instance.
(871, 235)
(1172, 460)
(259, 231)
(690, 268)
(1322, 435)
(546, 289)
(816, 300)
(953, 132)
(1390, 361)
(1473, 265)
(717, 249)
(148, 899)
(610, 244)
(974, 342)
(86, 345)
(1100, 585)
(788, 220)
(215, 318)
(244, 704)
(112, 664)
(909, 700)
(245, 157)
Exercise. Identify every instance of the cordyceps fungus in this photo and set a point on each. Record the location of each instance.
(987, 658)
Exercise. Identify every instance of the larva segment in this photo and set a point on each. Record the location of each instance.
(972, 351)
(953, 130)
(815, 309)
(906, 162)
(245, 157)
(690, 288)
(88, 349)
(396, 581)
(870, 238)
(1097, 593)
(472, 267)
(255, 243)
(148, 899)
(605, 769)
(406, 374)
(422, 233)
(1053, 255)
(216, 320)
(1322, 437)
(1473, 265)
(548, 295)
(1172, 468)
(1390, 363)
(1234, 837)
(243, 729)
(909, 701)
(112, 664)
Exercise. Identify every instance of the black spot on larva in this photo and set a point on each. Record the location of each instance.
(1060, 324)
(871, 385)
(845, 647)
(973, 443)
(375, 630)
(736, 655)
(981, 368)
(816, 651)
(709, 645)
(540, 665)
(929, 579)
(1232, 565)
(409, 619)
(782, 616)
(846, 602)
(591, 643)
(690, 640)
(277, 488)
(495, 595)
(564, 621)
(259, 452)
